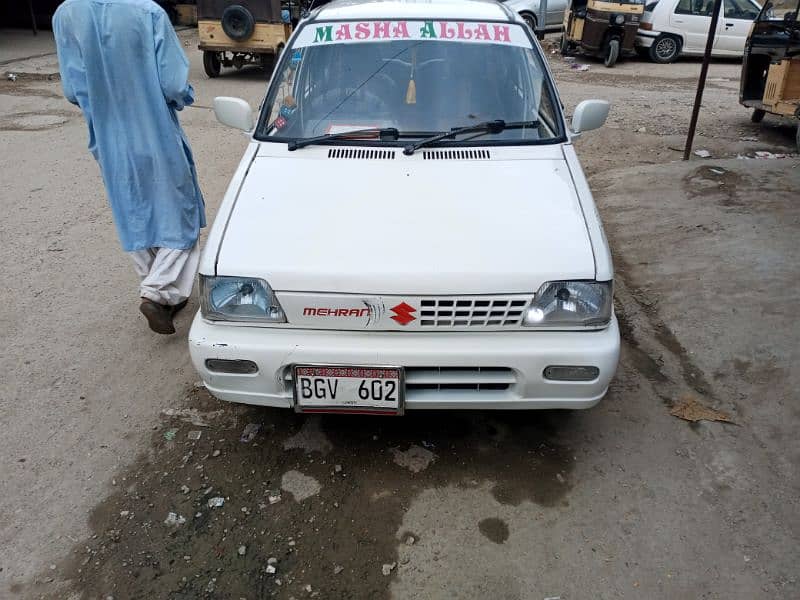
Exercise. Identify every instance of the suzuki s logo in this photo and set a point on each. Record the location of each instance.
(403, 313)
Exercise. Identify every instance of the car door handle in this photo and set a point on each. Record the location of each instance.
(728, 25)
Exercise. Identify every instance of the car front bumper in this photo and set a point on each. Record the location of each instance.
(522, 354)
(645, 38)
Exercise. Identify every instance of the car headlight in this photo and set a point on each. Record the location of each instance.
(239, 299)
(619, 19)
(570, 303)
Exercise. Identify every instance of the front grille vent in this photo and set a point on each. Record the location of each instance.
(361, 154)
(442, 379)
(456, 155)
(489, 311)
(474, 379)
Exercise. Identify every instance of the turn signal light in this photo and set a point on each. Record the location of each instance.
(237, 367)
(646, 26)
(571, 373)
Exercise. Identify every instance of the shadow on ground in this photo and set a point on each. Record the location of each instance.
(359, 475)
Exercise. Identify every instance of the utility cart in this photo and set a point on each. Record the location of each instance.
(241, 32)
(770, 81)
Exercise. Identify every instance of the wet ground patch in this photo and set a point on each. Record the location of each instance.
(494, 529)
(714, 180)
(18, 88)
(34, 121)
(304, 505)
(17, 83)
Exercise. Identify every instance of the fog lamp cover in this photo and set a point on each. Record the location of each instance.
(237, 367)
(571, 373)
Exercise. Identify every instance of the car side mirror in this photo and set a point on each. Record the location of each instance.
(590, 114)
(234, 112)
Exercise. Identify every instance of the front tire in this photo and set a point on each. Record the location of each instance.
(797, 138)
(564, 46)
(612, 52)
(758, 115)
(211, 64)
(665, 49)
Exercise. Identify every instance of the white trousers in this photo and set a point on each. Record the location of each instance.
(167, 274)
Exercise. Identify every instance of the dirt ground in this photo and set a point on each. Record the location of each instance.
(124, 479)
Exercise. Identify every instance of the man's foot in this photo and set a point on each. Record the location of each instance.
(159, 316)
(176, 308)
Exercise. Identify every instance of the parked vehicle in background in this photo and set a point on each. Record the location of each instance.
(770, 81)
(602, 28)
(670, 28)
(446, 252)
(530, 11)
(241, 32)
(169, 7)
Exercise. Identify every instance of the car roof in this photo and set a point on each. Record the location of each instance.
(483, 10)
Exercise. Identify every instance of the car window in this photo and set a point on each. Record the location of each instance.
(420, 77)
(740, 9)
(780, 10)
(700, 8)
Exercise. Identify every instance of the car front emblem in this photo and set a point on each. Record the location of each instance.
(403, 313)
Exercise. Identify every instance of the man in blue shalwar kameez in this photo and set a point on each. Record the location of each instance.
(122, 64)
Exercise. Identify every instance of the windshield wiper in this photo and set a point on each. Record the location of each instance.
(383, 133)
(486, 127)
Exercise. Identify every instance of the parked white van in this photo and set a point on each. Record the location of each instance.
(670, 28)
(409, 226)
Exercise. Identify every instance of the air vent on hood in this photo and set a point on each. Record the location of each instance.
(361, 154)
(456, 155)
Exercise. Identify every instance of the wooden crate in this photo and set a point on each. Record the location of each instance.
(782, 92)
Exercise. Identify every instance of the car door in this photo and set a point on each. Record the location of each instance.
(734, 25)
(555, 12)
(692, 18)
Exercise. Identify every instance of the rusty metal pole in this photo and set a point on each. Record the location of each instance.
(701, 83)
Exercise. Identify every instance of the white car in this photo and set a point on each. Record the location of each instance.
(530, 11)
(409, 227)
(670, 28)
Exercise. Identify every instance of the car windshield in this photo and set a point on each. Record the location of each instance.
(418, 77)
(779, 10)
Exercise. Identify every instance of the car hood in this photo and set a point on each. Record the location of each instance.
(307, 221)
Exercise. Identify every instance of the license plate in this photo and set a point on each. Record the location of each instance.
(373, 390)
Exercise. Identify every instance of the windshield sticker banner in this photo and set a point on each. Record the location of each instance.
(354, 32)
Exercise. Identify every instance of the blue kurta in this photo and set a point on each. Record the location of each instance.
(123, 64)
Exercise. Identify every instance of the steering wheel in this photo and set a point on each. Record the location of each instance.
(327, 105)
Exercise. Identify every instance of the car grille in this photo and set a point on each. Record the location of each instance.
(477, 311)
(475, 379)
(440, 379)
